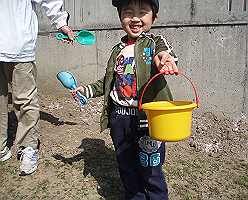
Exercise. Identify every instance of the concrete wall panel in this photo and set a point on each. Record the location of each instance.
(53, 56)
(98, 14)
(214, 59)
(210, 38)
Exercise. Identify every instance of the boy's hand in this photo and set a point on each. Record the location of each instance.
(67, 31)
(74, 92)
(165, 62)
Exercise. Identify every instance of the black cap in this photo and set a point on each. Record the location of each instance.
(118, 3)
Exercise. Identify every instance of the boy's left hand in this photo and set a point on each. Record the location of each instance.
(165, 62)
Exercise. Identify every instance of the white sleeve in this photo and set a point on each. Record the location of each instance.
(53, 9)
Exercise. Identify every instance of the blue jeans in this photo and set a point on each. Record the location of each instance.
(140, 159)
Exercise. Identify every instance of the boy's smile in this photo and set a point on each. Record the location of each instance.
(136, 18)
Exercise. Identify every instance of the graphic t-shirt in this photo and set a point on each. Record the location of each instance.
(124, 90)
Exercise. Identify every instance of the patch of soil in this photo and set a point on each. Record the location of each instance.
(78, 162)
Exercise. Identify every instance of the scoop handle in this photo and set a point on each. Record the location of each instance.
(163, 73)
(60, 36)
(82, 99)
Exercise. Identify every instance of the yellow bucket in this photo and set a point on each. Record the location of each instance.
(169, 121)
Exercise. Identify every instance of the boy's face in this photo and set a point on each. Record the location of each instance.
(136, 18)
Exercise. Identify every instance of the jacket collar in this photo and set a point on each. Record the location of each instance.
(124, 39)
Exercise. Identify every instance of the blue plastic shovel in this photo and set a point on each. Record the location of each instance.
(83, 37)
(69, 82)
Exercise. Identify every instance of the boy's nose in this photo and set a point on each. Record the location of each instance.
(135, 18)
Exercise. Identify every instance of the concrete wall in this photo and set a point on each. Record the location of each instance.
(210, 38)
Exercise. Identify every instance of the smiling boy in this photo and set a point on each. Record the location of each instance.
(138, 57)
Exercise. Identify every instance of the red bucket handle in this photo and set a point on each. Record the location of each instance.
(163, 73)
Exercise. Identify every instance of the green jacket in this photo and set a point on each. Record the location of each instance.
(146, 48)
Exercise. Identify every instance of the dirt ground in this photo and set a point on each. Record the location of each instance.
(78, 162)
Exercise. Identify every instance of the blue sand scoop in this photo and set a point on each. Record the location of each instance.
(69, 82)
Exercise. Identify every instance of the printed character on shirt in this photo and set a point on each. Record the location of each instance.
(126, 75)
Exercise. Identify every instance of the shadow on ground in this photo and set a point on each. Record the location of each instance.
(54, 120)
(99, 162)
(12, 127)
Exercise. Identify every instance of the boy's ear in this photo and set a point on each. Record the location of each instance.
(156, 18)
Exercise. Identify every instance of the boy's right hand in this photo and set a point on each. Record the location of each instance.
(74, 92)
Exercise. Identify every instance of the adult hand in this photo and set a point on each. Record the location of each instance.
(67, 31)
(165, 62)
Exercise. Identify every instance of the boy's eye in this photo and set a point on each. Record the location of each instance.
(127, 13)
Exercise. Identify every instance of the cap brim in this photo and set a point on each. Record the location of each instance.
(116, 3)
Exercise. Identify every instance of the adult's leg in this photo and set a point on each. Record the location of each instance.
(5, 77)
(26, 106)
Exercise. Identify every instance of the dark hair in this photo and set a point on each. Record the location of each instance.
(128, 2)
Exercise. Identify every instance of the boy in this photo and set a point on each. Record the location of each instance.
(138, 57)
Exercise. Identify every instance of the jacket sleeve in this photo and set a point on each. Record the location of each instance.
(104, 85)
(163, 45)
(53, 9)
(95, 89)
